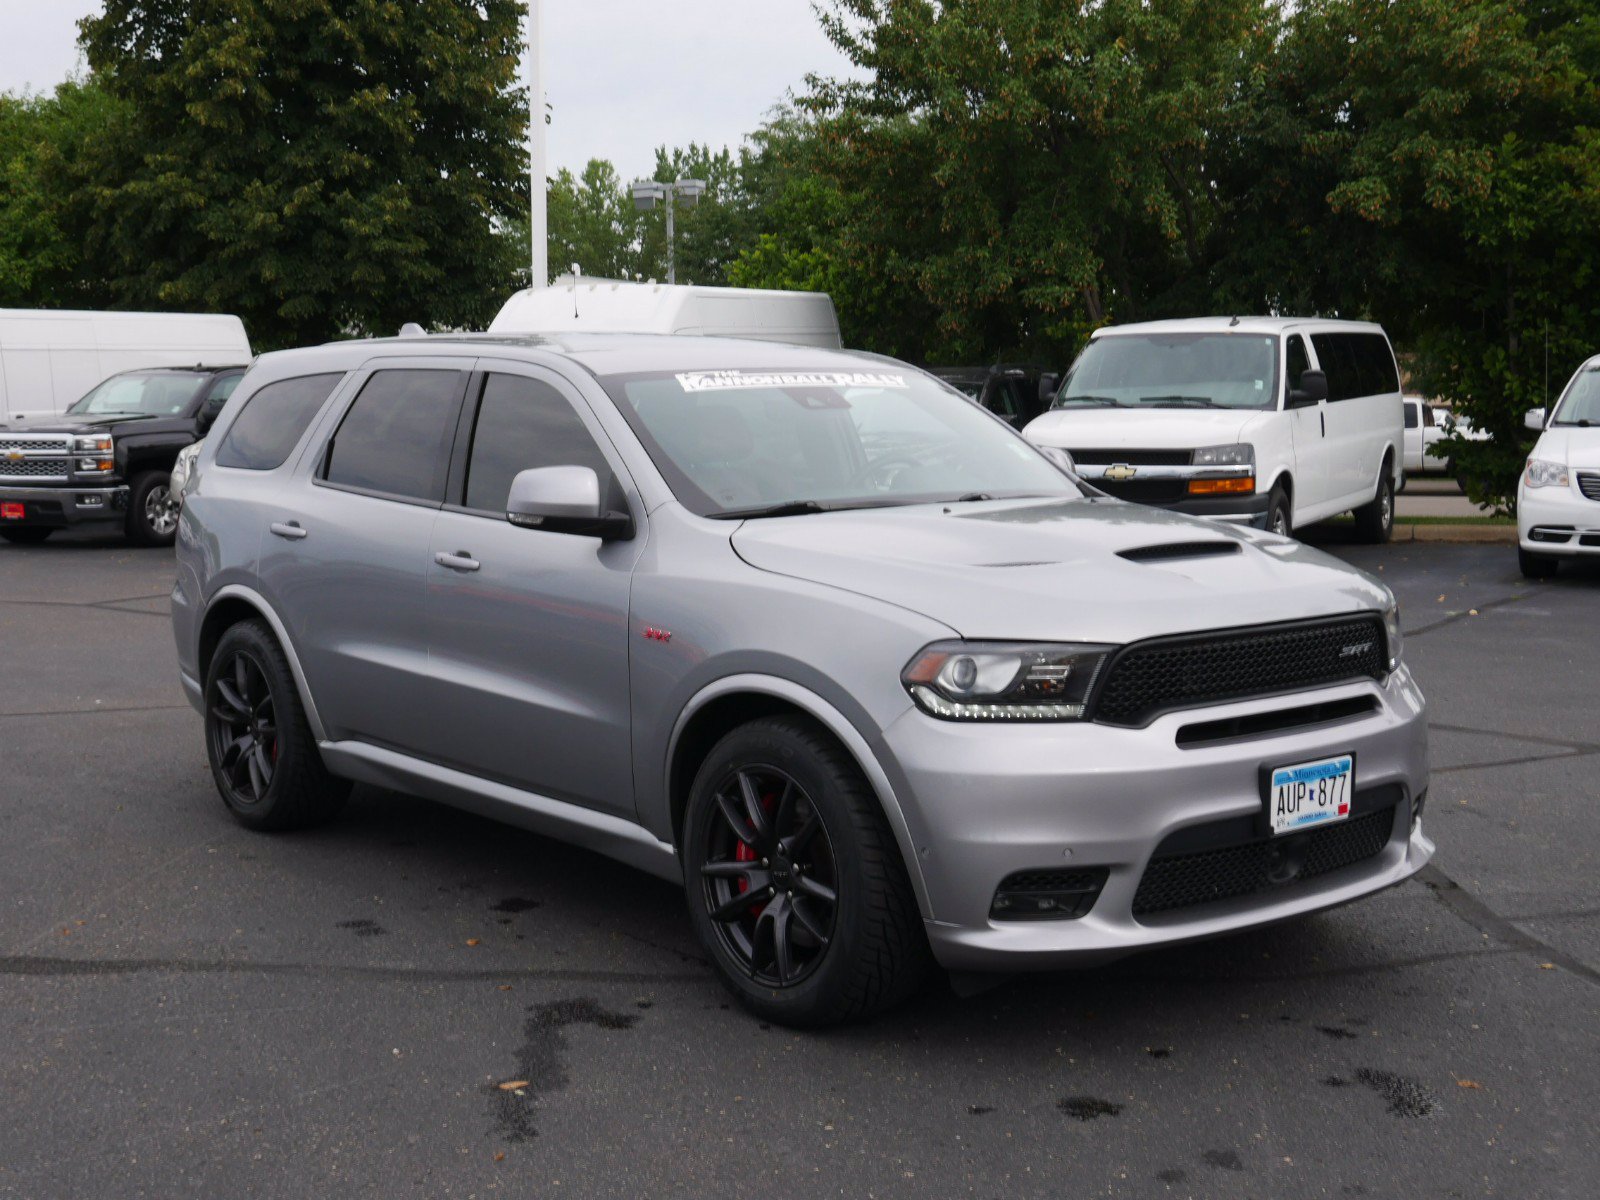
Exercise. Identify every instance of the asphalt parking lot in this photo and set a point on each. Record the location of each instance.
(192, 1009)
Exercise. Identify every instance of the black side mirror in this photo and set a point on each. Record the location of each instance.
(1313, 389)
(1048, 383)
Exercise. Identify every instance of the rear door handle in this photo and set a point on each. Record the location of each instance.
(459, 561)
(289, 529)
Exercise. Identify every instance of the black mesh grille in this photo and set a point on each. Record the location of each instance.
(1182, 880)
(1149, 678)
(1134, 458)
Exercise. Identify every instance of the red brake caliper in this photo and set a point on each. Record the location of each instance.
(744, 852)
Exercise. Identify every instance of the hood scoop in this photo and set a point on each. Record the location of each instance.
(1166, 551)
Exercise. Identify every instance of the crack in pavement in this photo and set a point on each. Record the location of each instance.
(1485, 920)
(1537, 739)
(38, 965)
(95, 712)
(1453, 617)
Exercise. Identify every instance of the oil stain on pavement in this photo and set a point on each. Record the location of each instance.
(541, 1060)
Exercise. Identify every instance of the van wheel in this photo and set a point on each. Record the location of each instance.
(1375, 520)
(1536, 566)
(1278, 519)
(796, 889)
(152, 518)
(263, 756)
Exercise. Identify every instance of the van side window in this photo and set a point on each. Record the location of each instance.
(273, 420)
(1338, 364)
(1295, 360)
(397, 436)
(523, 424)
(1378, 362)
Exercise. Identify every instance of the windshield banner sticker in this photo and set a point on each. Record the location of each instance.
(721, 381)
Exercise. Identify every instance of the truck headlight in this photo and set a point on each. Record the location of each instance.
(1234, 454)
(98, 444)
(1542, 472)
(1004, 681)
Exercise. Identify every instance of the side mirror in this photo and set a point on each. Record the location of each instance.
(209, 414)
(1048, 383)
(1059, 457)
(1313, 389)
(564, 500)
(1534, 419)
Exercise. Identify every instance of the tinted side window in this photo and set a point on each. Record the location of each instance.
(1378, 363)
(397, 435)
(272, 422)
(523, 424)
(1333, 353)
(1411, 416)
(1295, 360)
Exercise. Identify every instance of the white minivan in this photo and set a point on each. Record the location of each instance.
(1558, 497)
(1268, 421)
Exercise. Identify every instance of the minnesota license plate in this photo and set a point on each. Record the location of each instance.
(1310, 793)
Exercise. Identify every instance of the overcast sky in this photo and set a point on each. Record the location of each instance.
(622, 76)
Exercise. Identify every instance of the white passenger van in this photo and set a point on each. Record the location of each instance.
(50, 358)
(585, 304)
(1268, 421)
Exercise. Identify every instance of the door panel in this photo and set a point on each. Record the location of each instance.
(1311, 468)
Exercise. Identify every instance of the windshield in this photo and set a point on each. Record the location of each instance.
(1581, 404)
(163, 394)
(734, 442)
(1175, 370)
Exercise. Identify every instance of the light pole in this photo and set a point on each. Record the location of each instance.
(539, 258)
(647, 193)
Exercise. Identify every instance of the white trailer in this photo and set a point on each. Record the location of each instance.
(50, 358)
(586, 304)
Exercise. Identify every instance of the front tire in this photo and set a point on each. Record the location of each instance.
(263, 755)
(1535, 565)
(26, 535)
(1375, 520)
(152, 517)
(1278, 519)
(830, 932)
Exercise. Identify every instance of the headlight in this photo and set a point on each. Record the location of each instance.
(94, 443)
(1004, 681)
(1234, 454)
(1542, 472)
(182, 468)
(1391, 633)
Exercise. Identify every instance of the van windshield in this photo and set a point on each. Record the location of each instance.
(1174, 370)
(738, 443)
(159, 394)
(1581, 404)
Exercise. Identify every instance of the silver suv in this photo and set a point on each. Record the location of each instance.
(879, 682)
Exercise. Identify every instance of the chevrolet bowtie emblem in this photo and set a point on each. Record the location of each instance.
(14, 456)
(1120, 471)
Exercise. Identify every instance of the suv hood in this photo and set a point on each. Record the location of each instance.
(1092, 427)
(70, 423)
(1051, 570)
(1574, 445)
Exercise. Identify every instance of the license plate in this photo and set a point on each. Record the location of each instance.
(1310, 793)
(12, 512)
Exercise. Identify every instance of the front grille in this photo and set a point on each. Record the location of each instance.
(1589, 484)
(34, 468)
(1134, 458)
(1072, 893)
(1149, 678)
(1266, 864)
(17, 441)
(1144, 491)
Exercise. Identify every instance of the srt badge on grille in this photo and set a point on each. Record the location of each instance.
(1119, 471)
(1352, 651)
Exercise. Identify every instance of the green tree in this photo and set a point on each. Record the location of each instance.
(319, 168)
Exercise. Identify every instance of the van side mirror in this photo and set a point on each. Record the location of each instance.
(1061, 458)
(564, 500)
(209, 412)
(1313, 389)
(1048, 383)
(1534, 419)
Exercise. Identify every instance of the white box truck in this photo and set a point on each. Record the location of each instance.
(578, 303)
(50, 358)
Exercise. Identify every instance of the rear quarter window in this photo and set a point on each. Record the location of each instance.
(273, 421)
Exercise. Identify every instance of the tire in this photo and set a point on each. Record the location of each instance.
(872, 952)
(26, 535)
(152, 521)
(1535, 565)
(1279, 519)
(1375, 519)
(263, 756)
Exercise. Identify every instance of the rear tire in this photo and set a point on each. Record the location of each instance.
(26, 535)
(263, 755)
(152, 521)
(872, 952)
(1375, 519)
(1535, 565)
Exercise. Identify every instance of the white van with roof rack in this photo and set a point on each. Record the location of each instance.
(1267, 421)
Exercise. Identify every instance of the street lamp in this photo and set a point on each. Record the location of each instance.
(647, 193)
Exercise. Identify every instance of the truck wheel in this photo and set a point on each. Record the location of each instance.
(26, 535)
(1536, 566)
(796, 888)
(263, 756)
(152, 518)
(1375, 519)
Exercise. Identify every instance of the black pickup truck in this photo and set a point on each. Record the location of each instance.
(1015, 392)
(106, 460)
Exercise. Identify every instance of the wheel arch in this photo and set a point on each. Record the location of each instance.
(236, 603)
(723, 706)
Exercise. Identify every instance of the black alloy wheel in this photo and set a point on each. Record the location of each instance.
(769, 881)
(242, 729)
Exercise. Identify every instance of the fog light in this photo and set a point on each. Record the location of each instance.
(1216, 487)
(89, 500)
(1048, 895)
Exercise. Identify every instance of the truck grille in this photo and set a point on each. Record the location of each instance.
(1144, 491)
(1134, 458)
(1589, 484)
(34, 468)
(36, 457)
(1183, 880)
(1149, 678)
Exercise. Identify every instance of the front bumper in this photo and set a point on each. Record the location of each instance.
(64, 506)
(984, 802)
(1558, 522)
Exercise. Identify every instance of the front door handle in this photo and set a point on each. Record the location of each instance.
(289, 529)
(461, 560)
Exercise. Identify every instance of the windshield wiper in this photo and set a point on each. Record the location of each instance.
(1179, 402)
(787, 508)
(1103, 401)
